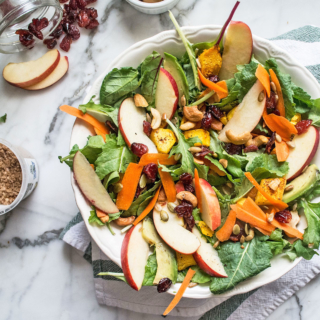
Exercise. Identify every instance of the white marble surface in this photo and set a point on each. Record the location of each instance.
(40, 277)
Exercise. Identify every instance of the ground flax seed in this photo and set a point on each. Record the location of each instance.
(10, 176)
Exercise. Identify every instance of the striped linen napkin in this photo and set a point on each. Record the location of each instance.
(304, 45)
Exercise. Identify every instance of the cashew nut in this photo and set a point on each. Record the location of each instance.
(257, 141)
(198, 161)
(140, 101)
(162, 196)
(238, 139)
(156, 120)
(192, 113)
(122, 222)
(187, 126)
(224, 163)
(186, 195)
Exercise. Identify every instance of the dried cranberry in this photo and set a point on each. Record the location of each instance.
(71, 30)
(233, 148)
(303, 125)
(271, 103)
(283, 216)
(83, 19)
(236, 238)
(92, 13)
(270, 143)
(139, 149)
(66, 8)
(185, 210)
(66, 43)
(214, 79)
(71, 17)
(73, 4)
(138, 192)
(112, 127)
(206, 121)
(34, 31)
(57, 32)
(276, 112)
(90, 1)
(50, 43)
(186, 178)
(164, 285)
(42, 23)
(147, 128)
(205, 151)
(190, 188)
(81, 4)
(150, 170)
(250, 148)
(25, 37)
(216, 112)
(63, 1)
(93, 24)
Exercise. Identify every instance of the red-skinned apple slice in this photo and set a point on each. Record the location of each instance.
(237, 49)
(167, 94)
(173, 233)
(91, 186)
(130, 120)
(247, 114)
(207, 257)
(134, 256)
(303, 153)
(26, 74)
(210, 208)
(53, 77)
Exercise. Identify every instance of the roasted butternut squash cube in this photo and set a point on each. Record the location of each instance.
(184, 261)
(210, 61)
(203, 135)
(270, 187)
(231, 113)
(205, 229)
(241, 201)
(296, 118)
(164, 139)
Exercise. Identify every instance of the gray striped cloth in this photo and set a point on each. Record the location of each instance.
(304, 45)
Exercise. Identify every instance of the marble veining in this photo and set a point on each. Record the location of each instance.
(40, 277)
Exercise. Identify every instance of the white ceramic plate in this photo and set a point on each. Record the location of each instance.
(169, 41)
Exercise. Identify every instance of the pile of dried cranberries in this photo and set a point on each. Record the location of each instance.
(73, 12)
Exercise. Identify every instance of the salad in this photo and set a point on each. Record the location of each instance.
(204, 159)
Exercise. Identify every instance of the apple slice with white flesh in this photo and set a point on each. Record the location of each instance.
(167, 94)
(210, 207)
(173, 233)
(207, 257)
(91, 186)
(26, 74)
(237, 50)
(134, 256)
(306, 145)
(247, 114)
(53, 77)
(130, 120)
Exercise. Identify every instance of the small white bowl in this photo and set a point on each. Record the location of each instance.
(153, 8)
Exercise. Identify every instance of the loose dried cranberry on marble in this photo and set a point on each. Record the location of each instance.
(66, 43)
(214, 79)
(147, 128)
(73, 4)
(151, 170)
(139, 149)
(92, 12)
(25, 37)
(233, 148)
(50, 43)
(283, 216)
(83, 19)
(164, 285)
(35, 32)
(186, 178)
(216, 112)
(251, 148)
(206, 121)
(81, 4)
(58, 31)
(270, 143)
(190, 188)
(93, 24)
(303, 125)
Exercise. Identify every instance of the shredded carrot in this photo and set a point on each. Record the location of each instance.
(250, 206)
(180, 292)
(246, 216)
(280, 125)
(282, 151)
(130, 182)
(92, 166)
(86, 117)
(197, 187)
(156, 158)
(277, 203)
(263, 76)
(291, 231)
(219, 88)
(99, 133)
(100, 214)
(280, 105)
(214, 168)
(149, 207)
(168, 185)
(226, 230)
(265, 232)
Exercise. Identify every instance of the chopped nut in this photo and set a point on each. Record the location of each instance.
(198, 161)
(171, 207)
(143, 181)
(177, 156)
(117, 187)
(192, 284)
(261, 96)
(291, 144)
(238, 139)
(183, 101)
(195, 149)
(273, 87)
(257, 141)
(164, 216)
(216, 244)
(289, 188)
(270, 217)
(274, 184)
(236, 229)
(187, 126)
(162, 198)
(242, 247)
(122, 222)
(140, 101)
(192, 113)
(242, 239)
(186, 195)
(278, 138)
(224, 163)
(250, 236)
